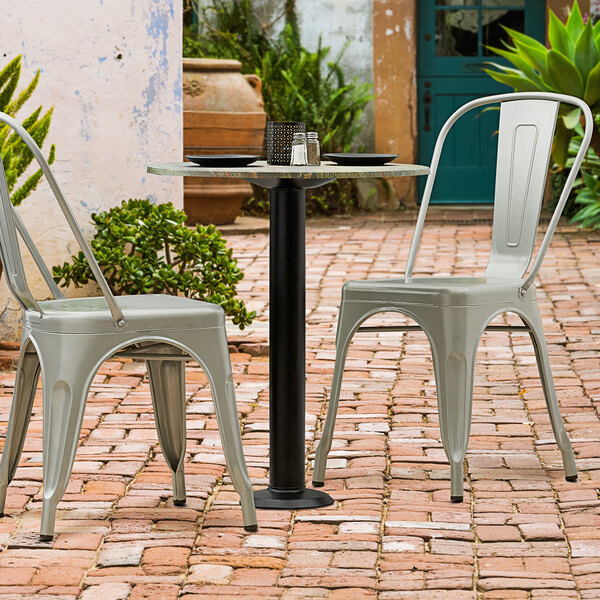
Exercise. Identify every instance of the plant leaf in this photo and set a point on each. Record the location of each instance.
(571, 119)
(563, 74)
(586, 53)
(559, 37)
(575, 21)
(560, 148)
(592, 87)
(520, 63)
(520, 83)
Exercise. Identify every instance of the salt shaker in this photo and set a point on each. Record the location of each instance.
(299, 157)
(313, 150)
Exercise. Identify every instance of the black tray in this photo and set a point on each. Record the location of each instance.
(360, 159)
(223, 160)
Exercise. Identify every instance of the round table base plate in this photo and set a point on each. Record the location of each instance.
(277, 499)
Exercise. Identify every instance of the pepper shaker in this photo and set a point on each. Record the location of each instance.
(313, 150)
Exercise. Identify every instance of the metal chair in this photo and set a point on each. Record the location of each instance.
(66, 340)
(455, 311)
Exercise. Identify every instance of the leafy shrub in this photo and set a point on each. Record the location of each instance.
(16, 156)
(298, 85)
(336, 198)
(145, 248)
(570, 66)
(586, 190)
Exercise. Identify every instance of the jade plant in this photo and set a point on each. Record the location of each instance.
(145, 248)
(571, 65)
(16, 156)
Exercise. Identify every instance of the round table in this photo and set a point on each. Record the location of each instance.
(287, 343)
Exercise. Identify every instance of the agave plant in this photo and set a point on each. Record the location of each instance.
(570, 66)
(15, 155)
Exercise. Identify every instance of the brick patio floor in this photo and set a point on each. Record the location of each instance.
(523, 532)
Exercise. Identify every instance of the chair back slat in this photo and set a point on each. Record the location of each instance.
(524, 144)
(527, 124)
(9, 249)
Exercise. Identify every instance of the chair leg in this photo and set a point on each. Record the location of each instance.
(454, 347)
(64, 404)
(167, 386)
(350, 317)
(28, 372)
(210, 346)
(538, 340)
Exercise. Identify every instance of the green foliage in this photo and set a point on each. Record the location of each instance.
(338, 197)
(589, 215)
(228, 29)
(298, 85)
(586, 208)
(145, 248)
(15, 155)
(571, 66)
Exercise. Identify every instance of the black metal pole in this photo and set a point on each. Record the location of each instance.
(287, 354)
(287, 350)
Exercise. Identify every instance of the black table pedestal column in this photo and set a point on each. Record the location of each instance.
(287, 350)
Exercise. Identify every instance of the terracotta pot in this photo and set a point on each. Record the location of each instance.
(222, 114)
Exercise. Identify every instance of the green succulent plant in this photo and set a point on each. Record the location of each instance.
(145, 248)
(570, 66)
(16, 156)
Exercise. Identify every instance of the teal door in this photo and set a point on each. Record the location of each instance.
(452, 40)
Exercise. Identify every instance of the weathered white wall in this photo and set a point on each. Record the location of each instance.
(112, 71)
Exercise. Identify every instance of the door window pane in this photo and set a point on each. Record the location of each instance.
(492, 21)
(456, 2)
(456, 32)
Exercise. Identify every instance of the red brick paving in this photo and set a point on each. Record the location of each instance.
(523, 532)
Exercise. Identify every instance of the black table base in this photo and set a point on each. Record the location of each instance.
(290, 499)
(287, 350)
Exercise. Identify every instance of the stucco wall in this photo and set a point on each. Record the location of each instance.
(394, 35)
(112, 71)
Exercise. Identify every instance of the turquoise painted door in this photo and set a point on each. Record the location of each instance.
(452, 40)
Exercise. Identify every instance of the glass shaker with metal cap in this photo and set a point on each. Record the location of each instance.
(313, 150)
(299, 157)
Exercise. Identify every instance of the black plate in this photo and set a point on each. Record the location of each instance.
(361, 159)
(224, 160)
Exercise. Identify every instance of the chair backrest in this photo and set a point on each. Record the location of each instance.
(10, 224)
(527, 123)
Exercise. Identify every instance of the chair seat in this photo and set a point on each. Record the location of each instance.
(437, 291)
(150, 312)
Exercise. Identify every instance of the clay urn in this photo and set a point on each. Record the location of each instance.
(222, 114)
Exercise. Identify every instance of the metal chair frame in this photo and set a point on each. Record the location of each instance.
(66, 341)
(454, 312)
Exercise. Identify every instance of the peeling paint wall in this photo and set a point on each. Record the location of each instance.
(112, 71)
(394, 35)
